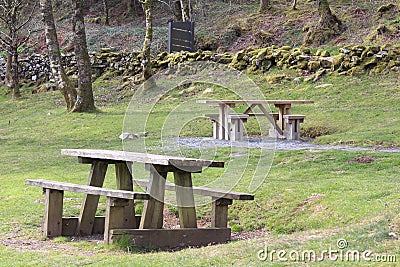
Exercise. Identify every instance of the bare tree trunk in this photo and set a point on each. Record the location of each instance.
(85, 100)
(14, 18)
(294, 7)
(146, 61)
(14, 74)
(186, 10)
(106, 13)
(8, 70)
(264, 5)
(177, 9)
(63, 83)
(327, 27)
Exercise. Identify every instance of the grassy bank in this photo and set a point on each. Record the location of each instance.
(308, 201)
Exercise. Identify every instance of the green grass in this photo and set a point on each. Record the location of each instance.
(309, 199)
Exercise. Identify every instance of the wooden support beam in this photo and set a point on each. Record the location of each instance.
(172, 238)
(124, 182)
(115, 211)
(90, 202)
(153, 208)
(219, 216)
(69, 225)
(185, 199)
(54, 209)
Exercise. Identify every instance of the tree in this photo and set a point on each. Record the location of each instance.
(14, 18)
(146, 50)
(264, 5)
(62, 81)
(186, 10)
(294, 5)
(182, 9)
(131, 6)
(106, 13)
(85, 100)
(327, 27)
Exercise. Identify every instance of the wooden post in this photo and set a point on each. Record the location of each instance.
(169, 37)
(220, 212)
(153, 208)
(185, 199)
(224, 111)
(124, 182)
(54, 209)
(115, 211)
(90, 202)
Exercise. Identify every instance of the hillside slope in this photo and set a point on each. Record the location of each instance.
(233, 25)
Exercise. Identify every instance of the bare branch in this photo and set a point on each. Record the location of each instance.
(165, 3)
(24, 40)
(28, 19)
(5, 44)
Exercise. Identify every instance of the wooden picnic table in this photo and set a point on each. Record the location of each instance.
(278, 122)
(120, 220)
(158, 166)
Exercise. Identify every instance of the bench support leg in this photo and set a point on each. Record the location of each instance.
(153, 208)
(54, 209)
(237, 130)
(124, 182)
(292, 131)
(215, 129)
(220, 212)
(115, 211)
(90, 202)
(185, 199)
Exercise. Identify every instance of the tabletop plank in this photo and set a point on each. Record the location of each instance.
(141, 157)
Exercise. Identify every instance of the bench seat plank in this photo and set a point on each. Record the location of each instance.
(205, 191)
(62, 186)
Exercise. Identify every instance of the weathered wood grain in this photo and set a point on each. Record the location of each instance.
(204, 191)
(140, 157)
(54, 209)
(88, 189)
(185, 200)
(173, 238)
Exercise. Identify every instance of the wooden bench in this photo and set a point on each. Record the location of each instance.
(56, 225)
(292, 131)
(214, 119)
(220, 201)
(236, 126)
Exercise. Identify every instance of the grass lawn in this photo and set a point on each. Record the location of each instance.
(309, 200)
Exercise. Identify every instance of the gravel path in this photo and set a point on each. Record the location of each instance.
(199, 142)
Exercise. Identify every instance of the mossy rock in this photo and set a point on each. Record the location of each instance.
(302, 65)
(277, 78)
(313, 66)
(306, 50)
(286, 48)
(387, 8)
(326, 62)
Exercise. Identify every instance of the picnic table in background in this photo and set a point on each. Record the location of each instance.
(228, 126)
(120, 219)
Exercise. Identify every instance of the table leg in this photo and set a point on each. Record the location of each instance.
(223, 118)
(124, 182)
(185, 199)
(90, 202)
(153, 208)
(285, 109)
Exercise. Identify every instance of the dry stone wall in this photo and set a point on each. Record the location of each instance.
(351, 60)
